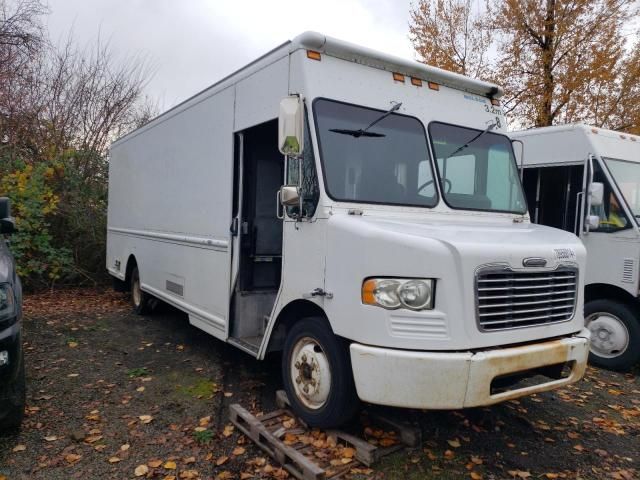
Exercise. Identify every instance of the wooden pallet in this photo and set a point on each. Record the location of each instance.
(301, 459)
(292, 459)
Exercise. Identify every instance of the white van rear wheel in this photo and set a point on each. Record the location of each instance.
(140, 299)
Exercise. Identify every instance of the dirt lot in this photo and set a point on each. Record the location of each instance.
(112, 395)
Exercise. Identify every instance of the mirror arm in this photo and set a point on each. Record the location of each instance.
(587, 196)
(300, 215)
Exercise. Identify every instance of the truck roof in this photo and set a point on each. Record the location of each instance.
(572, 143)
(340, 49)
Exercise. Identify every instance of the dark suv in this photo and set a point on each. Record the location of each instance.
(12, 379)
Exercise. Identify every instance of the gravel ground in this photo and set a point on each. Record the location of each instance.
(114, 395)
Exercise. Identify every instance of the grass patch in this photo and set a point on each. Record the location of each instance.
(203, 436)
(201, 388)
(137, 372)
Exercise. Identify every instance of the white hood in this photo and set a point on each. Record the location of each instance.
(449, 252)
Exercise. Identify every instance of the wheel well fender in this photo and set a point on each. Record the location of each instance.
(603, 291)
(289, 315)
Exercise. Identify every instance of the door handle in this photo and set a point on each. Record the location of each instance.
(234, 227)
(279, 206)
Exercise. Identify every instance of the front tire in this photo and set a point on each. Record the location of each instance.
(615, 334)
(141, 300)
(317, 374)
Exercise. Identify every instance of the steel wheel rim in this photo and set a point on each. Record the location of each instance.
(310, 373)
(609, 335)
(136, 292)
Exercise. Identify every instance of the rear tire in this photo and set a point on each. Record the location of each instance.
(615, 334)
(14, 400)
(141, 300)
(317, 374)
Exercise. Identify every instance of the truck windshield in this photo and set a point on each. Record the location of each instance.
(627, 177)
(477, 169)
(389, 164)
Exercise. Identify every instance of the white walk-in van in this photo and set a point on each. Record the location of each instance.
(587, 181)
(362, 214)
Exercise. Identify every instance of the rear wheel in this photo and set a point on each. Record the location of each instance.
(615, 334)
(12, 401)
(141, 300)
(317, 374)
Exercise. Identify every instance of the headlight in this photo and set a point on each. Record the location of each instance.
(393, 293)
(7, 302)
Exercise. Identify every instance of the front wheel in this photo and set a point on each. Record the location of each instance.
(615, 334)
(317, 374)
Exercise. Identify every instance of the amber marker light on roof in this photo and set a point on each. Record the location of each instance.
(433, 86)
(313, 55)
(495, 102)
(416, 81)
(398, 77)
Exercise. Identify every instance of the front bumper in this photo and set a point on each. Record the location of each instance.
(443, 380)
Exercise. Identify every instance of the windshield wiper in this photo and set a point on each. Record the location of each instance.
(461, 148)
(363, 132)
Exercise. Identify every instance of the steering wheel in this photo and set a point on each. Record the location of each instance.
(447, 185)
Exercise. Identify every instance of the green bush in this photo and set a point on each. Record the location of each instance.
(40, 261)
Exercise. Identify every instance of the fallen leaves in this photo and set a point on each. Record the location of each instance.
(170, 465)
(454, 443)
(141, 470)
(228, 430)
(19, 448)
(145, 418)
(519, 473)
(72, 458)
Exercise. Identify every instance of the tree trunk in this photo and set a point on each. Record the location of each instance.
(545, 116)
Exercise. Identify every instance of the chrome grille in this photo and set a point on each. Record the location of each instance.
(507, 299)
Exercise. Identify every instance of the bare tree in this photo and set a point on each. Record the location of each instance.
(449, 34)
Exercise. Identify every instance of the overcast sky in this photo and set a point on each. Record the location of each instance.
(193, 43)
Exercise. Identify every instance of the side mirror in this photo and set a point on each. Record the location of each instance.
(7, 224)
(593, 221)
(5, 207)
(291, 126)
(596, 194)
(289, 195)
